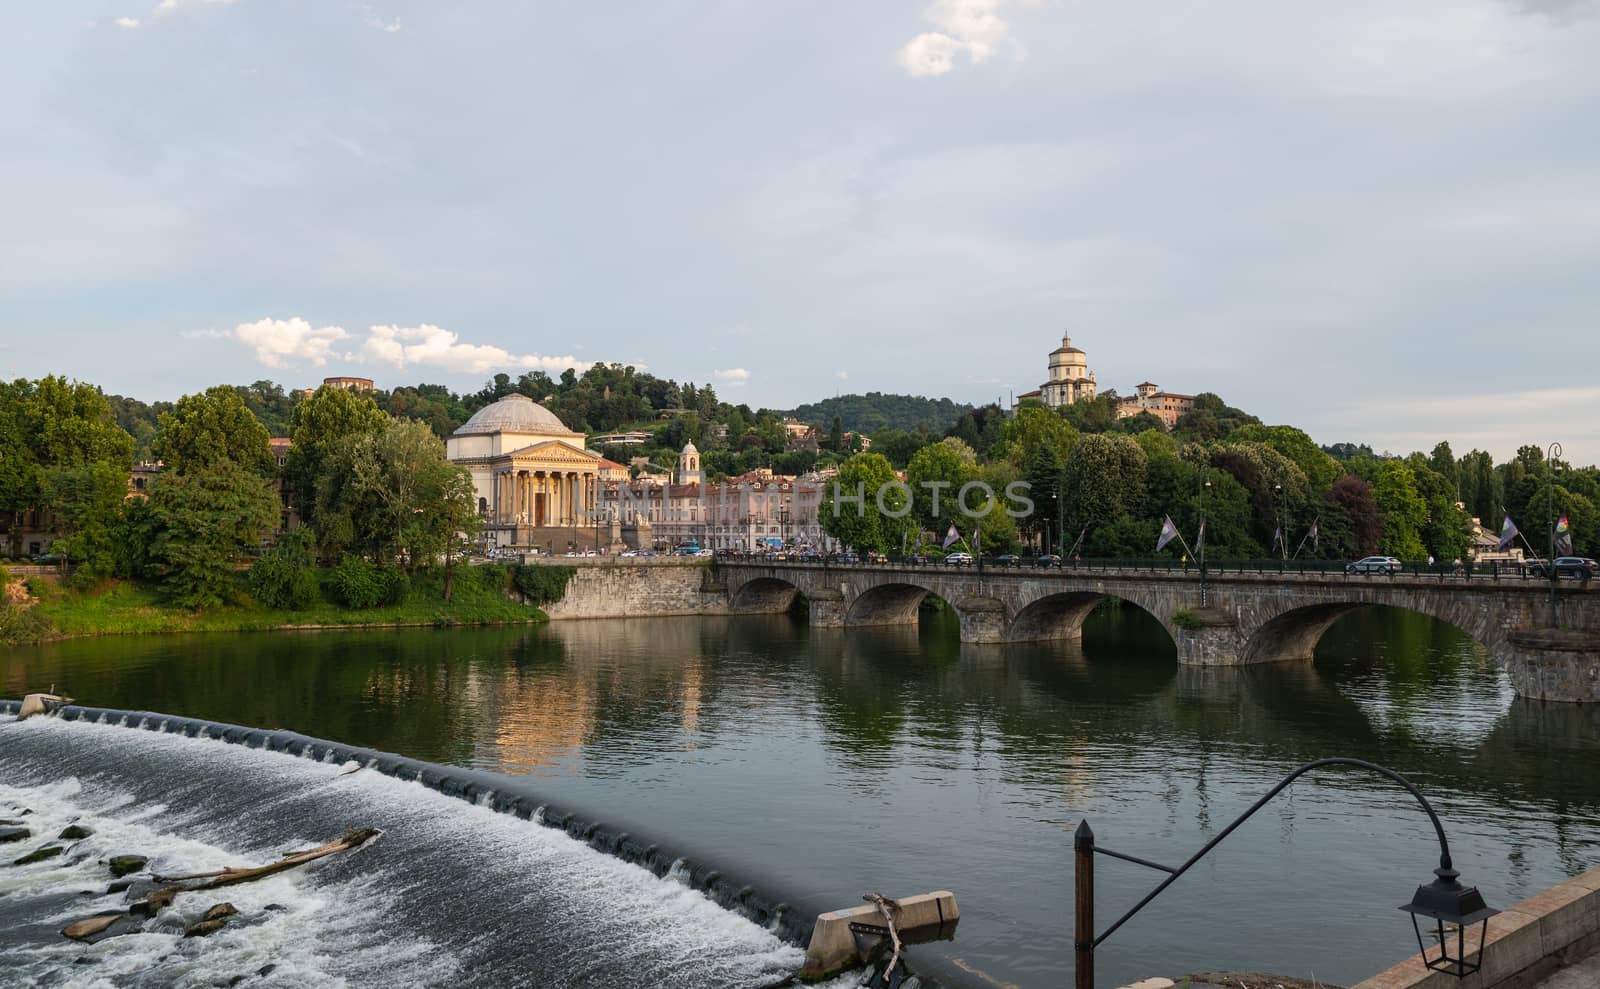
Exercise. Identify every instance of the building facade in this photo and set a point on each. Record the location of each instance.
(1070, 380)
(1164, 405)
(537, 487)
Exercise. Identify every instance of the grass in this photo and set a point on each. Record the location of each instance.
(124, 608)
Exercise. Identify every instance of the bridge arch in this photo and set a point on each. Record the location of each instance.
(887, 604)
(1061, 616)
(1292, 635)
(764, 595)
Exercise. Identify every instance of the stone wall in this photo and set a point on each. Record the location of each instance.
(642, 589)
(1525, 944)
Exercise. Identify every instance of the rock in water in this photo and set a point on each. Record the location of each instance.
(75, 832)
(220, 911)
(34, 704)
(122, 865)
(155, 902)
(14, 834)
(81, 930)
(39, 855)
(205, 928)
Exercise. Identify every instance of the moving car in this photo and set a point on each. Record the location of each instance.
(1374, 564)
(1048, 560)
(1580, 567)
(1008, 560)
(958, 560)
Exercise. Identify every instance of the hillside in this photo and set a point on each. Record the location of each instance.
(874, 411)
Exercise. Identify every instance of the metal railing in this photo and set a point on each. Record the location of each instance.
(1529, 573)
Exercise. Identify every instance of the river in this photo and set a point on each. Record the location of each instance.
(824, 764)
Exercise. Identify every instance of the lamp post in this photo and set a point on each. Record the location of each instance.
(1551, 453)
(1283, 525)
(1204, 488)
(1444, 908)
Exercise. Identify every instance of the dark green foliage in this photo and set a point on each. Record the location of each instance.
(356, 583)
(540, 584)
(88, 502)
(205, 521)
(23, 625)
(286, 577)
(875, 411)
(211, 426)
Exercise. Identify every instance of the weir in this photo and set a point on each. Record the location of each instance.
(787, 922)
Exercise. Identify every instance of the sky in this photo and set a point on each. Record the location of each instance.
(1378, 220)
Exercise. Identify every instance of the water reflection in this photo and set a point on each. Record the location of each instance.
(830, 761)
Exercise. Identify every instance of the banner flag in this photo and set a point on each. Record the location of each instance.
(1508, 534)
(1315, 529)
(950, 537)
(1277, 537)
(1169, 532)
(1563, 538)
(1200, 539)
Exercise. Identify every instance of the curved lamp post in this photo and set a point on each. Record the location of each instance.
(1443, 910)
(1204, 488)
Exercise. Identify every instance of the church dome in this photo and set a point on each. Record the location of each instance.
(513, 414)
(689, 447)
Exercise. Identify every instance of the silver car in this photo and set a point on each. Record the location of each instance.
(1374, 564)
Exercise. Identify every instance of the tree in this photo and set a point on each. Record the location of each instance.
(48, 423)
(321, 422)
(850, 512)
(1350, 500)
(211, 426)
(1403, 511)
(206, 520)
(393, 495)
(1320, 469)
(87, 500)
(1103, 480)
(936, 474)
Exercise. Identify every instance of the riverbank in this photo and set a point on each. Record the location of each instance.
(125, 608)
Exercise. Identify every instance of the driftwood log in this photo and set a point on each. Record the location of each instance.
(890, 911)
(158, 899)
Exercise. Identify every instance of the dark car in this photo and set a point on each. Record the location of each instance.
(1048, 560)
(1578, 567)
(1374, 564)
(1008, 560)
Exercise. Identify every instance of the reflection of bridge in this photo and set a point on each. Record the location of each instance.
(1248, 618)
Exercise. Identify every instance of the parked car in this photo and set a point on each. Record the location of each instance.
(958, 560)
(1048, 560)
(1579, 567)
(1008, 560)
(1374, 564)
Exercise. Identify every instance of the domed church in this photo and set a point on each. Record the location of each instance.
(535, 483)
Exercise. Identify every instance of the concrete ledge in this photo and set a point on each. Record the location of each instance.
(1524, 944)
(923, 917)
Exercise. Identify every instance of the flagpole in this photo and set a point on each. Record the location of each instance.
(1303, 538)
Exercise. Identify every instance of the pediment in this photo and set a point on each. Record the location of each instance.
(553, 452)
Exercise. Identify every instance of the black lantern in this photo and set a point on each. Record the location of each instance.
(1446, 912)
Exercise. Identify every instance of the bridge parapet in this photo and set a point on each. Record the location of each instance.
(1245, 617)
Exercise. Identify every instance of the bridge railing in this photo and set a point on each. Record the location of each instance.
(1531, 572)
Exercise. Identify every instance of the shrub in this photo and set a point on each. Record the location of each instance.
(285, 581)
(355, 583)
(19, 624)
(540, 584)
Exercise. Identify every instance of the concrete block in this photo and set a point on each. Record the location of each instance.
(1567, 913)
(832, 949)
(1152, 983)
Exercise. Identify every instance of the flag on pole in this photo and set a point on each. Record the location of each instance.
(1563, 537)
(975, 550)
(1508, 534)
(1200, 539)
(1314, 532)
(950, 537)
(1169, 532)
(1277, 537)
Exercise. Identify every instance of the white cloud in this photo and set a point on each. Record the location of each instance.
(438, 347)
(843, 375)
(378, 23)
(126, 22)
(171, 5)
(733, 376)
(973, 27)
(287, 342)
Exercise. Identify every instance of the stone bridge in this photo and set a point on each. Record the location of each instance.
(1246, 617)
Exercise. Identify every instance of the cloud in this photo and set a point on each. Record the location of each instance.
(167, 6)
(126, 22)
(438, 347)
(733, 376)
(843, 375)
(973, 27)
(285, 343)
(376, 22)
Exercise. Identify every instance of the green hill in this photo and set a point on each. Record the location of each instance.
(874, 411)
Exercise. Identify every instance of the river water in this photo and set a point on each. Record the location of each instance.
(821, 764)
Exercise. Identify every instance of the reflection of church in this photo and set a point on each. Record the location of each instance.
(536, 485)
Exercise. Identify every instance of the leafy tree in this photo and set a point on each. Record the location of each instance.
(1403, 511)
(214, 425)
(1103, 480)
(860, 523)
(875, 411)
(286, 577)
(207, 519)
(1352, 513)
(1320, 469)
(87, 500)
(937, 473)
(1211, 419)
(321, 423)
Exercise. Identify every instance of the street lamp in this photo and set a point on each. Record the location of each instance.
(1551, 454)
(1445, 909)
(1204, 488)
(1283, 526)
